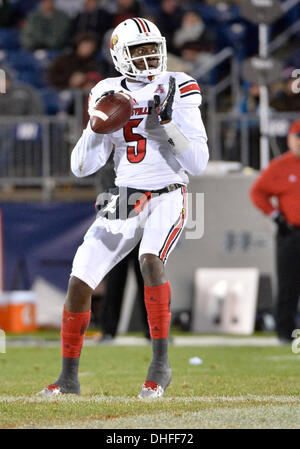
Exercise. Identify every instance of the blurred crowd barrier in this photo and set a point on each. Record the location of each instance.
(36, 150)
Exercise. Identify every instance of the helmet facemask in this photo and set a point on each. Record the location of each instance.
(134, 71)
(124, 63)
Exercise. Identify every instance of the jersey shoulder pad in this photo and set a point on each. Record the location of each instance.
(188, 93)
(101, 87)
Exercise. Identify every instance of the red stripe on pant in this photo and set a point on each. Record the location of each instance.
(176, 230)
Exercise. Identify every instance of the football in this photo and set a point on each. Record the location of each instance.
(111, 113)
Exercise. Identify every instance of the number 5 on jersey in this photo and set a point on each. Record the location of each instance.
(136, 152)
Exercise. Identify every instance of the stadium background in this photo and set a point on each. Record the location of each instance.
(45, 210)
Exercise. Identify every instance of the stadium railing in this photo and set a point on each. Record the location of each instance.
(35, 152)
(236, 135)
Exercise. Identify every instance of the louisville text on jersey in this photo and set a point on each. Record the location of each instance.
(142, 111)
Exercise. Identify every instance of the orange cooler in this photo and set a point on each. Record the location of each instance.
(3, 309)
(17, 311)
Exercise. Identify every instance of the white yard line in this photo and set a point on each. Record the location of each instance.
(225, 341)
(178, 341)
(257, 417)
(123, 399)
(270, 416)
(281, 358)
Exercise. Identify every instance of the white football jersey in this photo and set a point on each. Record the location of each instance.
(142, 154)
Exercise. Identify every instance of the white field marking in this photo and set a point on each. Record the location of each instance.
(99, 114)
(121, 399)
(280, 358)
(225, 341)
(178, 341)
(254, 417)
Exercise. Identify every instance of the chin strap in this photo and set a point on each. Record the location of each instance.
(145, 79)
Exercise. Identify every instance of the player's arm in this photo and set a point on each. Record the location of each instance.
(184, 130)
(92, 149)
(90, 153)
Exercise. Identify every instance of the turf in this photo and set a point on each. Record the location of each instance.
(235, 387)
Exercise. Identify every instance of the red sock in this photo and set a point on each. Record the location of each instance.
(73, 330)
(157, 301)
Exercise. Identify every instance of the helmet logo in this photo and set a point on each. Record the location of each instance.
(114, 41)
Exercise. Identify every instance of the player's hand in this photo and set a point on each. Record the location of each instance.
(284, 228)
(108, 92)
(166, 108)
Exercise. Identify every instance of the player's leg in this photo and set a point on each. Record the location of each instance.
(75, 321)
(140, 290)
(105, 244)
(161, 234)
(157, 295)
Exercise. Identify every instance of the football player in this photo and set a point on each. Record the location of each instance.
(164, 139)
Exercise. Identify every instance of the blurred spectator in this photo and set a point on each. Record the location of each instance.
(47, 27)
(250, 100)
(250, 105)
(293, 61)
(127, 9)
(92, 19)
(23, 7)
(188, 5)
(110, 6)
(19, 99)
(287, 97)
(91, 79)
(231, 132)
(9, 16)
(70, 70)
(193, 54)
(70, 7)
(178, 64)
(191, 29)
(168, 21)
(216, 2)
(281, 179)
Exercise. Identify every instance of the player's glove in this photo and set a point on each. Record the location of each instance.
(108, 92)
(284, 228)
(166, 108)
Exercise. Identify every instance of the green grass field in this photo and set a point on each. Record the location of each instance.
(235, 387)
